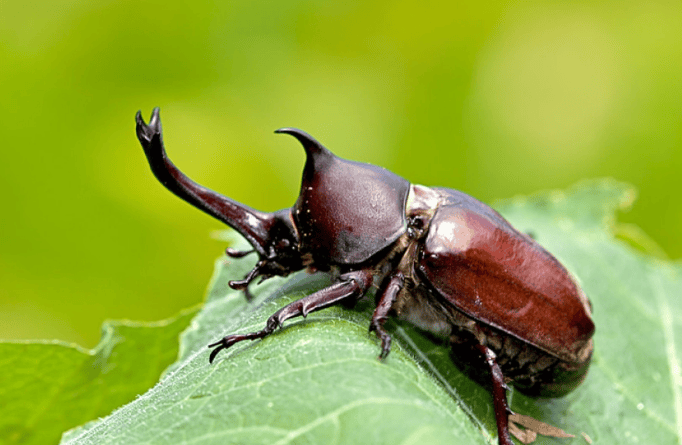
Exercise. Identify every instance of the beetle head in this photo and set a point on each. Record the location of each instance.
(272, 235)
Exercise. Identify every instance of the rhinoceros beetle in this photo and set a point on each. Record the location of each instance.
(440, 259)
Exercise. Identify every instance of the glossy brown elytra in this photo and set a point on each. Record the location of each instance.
(442, 260)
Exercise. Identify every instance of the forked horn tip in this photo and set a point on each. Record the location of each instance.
(145, 132)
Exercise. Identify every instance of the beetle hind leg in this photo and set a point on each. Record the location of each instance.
(351, 286)
(499, 390)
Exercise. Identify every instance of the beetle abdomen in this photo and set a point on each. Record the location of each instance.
(533, 371)
(501, 278)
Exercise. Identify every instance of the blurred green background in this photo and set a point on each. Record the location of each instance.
(495, 99)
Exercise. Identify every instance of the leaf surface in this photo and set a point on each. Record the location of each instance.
(51, 386)
(318, 381)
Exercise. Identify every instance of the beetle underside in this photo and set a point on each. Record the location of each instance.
(440, 259)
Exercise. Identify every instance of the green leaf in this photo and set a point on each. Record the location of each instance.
(317, 381)
(50, 386)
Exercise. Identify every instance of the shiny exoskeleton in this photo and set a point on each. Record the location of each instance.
(441, 260)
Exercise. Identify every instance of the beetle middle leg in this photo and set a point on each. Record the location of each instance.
(380, 315)
(351, 285)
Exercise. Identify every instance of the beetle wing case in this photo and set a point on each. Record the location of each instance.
(491, 272)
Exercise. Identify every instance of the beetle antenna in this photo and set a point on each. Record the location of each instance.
(255, 226)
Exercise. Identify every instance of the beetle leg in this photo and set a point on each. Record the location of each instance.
(388, 296)
(233, 253)
(352, 285)
(244, 284)
(502, 410)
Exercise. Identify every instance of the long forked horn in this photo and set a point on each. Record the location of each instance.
(255, 226)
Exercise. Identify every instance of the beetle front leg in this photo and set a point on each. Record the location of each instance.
(352, 285)
(502, 410)
(380, 315)
(243, 284)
